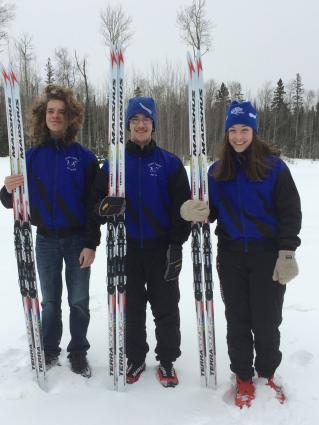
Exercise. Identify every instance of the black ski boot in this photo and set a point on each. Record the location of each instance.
(79, 364)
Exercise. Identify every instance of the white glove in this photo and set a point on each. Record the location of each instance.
(194, 210)
(286, 267)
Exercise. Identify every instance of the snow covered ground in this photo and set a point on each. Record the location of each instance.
(74, 400)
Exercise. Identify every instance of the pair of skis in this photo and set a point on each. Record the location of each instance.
(22, 226)
(116, 235)
(201, 241)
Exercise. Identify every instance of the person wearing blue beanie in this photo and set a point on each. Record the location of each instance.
(144, 105)
(156, 185)
(256, 204)
(241, 113)
(240, 127)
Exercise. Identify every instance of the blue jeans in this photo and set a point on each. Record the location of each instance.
(50, 253)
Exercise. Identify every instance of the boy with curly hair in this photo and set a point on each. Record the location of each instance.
(60, 174)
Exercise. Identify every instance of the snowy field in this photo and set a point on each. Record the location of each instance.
(74, 400)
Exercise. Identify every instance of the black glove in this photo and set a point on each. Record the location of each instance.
(174, 262)
(110, 205)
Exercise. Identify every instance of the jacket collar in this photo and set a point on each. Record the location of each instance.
(242, 157)
(133, 148)
(55, 143)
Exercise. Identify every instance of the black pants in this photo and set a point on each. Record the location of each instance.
(253, 308)
(145, 282)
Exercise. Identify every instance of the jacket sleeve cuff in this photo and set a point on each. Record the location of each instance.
(90, 245)
(6, 198)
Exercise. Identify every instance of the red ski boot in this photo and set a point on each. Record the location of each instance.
(280, 395)
(166, 375)
(245, 392)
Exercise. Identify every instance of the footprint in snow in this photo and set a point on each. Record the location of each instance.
(301, 358)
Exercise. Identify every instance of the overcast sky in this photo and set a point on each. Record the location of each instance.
(253, 41)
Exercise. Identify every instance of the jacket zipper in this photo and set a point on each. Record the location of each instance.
(140, 200)
(57, 149)
(241, 213)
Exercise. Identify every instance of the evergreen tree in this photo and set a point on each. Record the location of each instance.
(223, 94)
(280, 117)
(278, 100)
(49, 72)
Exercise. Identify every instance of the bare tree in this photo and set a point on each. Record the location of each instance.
(310, 97)
(297, 97)
(65, 68)
(139, 84)
(264, 96)
(211, 88)
(264, 100)
(28, 76)
(115, 26)
(195, 28)
(289, 94)
(6, 15)
(25, 53)
(81, 66)
(297, 93)
(235, 90)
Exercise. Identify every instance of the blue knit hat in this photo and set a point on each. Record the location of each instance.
(141, 105)
(241, 113)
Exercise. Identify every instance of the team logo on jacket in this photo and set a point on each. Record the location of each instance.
(71, 163)
(154, 167)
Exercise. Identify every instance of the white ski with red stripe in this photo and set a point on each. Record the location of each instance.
(116, 235)
(22, 226)
(201, 241)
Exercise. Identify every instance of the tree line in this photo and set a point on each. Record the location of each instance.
(288, 116)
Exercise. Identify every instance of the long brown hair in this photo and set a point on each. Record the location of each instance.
(256, 161)
(38, 130)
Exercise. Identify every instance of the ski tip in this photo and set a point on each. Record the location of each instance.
(199, 64)
(191, 67)
(4, 73)
(13, 76)
(113, 57)
(120, 56)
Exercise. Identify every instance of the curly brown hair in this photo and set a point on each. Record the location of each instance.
(256, 166)
(38, 130)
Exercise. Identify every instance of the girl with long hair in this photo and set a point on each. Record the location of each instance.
(254, 199)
